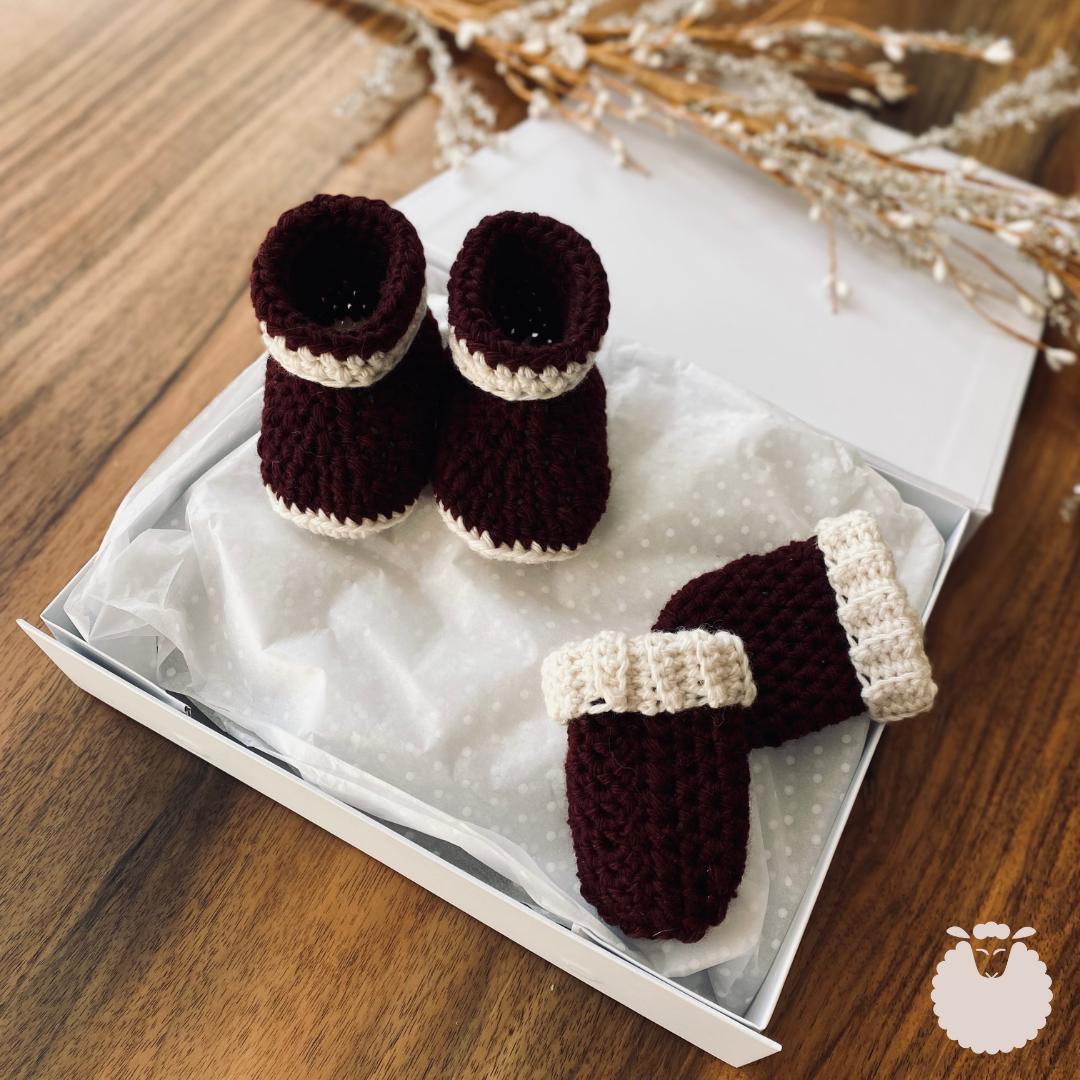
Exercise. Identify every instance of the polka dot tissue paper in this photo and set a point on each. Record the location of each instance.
(401, 673)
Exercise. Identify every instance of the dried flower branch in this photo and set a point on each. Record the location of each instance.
(1040, 96)
(752, 82)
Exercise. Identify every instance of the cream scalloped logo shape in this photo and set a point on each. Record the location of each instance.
(999, 1008)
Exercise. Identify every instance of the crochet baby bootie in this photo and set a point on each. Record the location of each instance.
(521, 472)
(356, 365)
(768, 648)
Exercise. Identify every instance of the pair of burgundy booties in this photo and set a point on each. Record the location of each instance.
(766, 649)
(363, 406)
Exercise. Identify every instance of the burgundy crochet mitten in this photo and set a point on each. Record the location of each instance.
(356, 366)
(521, 472)
(768, 648)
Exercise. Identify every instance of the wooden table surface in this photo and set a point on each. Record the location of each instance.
(158, 919)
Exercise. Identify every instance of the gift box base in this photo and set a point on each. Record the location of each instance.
(736, 1040)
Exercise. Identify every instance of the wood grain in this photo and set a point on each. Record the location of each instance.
(158, 919)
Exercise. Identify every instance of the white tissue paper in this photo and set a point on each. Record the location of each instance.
(402, 673)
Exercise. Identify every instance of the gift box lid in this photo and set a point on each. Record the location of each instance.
(711, 262)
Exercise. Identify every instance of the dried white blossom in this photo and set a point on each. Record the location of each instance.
(864, 97)
(571, 52)
(467, 32)
(890, 85)
(466, 120)
(894, 47)
(1059, 358)
(383, 80)
(1031, 308)
(1070, 504)
(837, 286)
(1000, 52)
(539, 105)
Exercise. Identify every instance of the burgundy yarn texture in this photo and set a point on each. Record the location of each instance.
(339, 258)
(782, 606)
(528, 472)
(659, 806)
(660, 818)
(525, 471)
(354, 453)
(528, 291)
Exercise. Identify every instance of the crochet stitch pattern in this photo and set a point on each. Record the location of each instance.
(883, 629)
(338, 289)
(521, 472)
(528, 306)
(783, 608)
(659, 813)
(527, 480)
(517, 552)
(649, 674)
(827, 631)
(521, 385)
(342, 458)
(323, 524)
(349, 463)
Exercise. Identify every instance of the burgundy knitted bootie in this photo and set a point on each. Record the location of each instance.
(768, 648)
(356, 366)
(521, 472)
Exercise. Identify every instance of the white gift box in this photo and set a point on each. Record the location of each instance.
(720, 270)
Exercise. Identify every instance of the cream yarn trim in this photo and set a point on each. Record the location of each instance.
(521, 385)
(884, 630)
(327, 370)
(482, 544)
(323, 524)
(650, 674)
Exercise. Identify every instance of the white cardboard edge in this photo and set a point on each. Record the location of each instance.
(659, 1000)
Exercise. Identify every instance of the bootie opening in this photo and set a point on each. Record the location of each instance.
(338, 287)
(528, 306)
(335, 276)
(526, 296)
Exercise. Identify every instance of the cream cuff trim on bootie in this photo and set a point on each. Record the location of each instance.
(355, 371)
(521, 385)
(649, 674)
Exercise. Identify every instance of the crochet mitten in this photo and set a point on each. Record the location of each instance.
(826, 625)
(768, 648)
(356, 366)
(521, 472)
